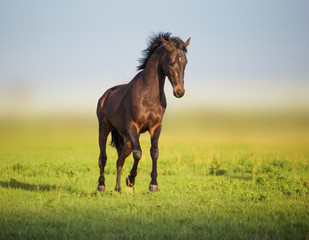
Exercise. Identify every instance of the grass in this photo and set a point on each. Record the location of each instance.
(213, 183)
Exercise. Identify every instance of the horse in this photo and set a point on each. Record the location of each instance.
(130, 109)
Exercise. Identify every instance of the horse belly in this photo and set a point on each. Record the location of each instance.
(116, 116)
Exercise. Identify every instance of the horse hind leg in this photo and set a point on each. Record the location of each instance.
(123, 154)
(103, 134)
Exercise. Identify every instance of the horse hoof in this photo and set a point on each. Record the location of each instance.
(101, 188)
(129, 182)
(153, 188)
(118, 189)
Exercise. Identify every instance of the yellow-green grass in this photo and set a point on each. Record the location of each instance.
(219, 178)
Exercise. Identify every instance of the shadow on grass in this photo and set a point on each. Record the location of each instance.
(62, 223)
(13, 183)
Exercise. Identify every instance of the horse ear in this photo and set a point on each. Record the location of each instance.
(187, 42)
(166, 44)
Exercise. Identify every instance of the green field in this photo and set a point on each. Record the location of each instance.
(235, 177)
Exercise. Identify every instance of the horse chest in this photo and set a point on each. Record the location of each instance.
(149, 119)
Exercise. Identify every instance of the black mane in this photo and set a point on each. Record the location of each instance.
(154, 42)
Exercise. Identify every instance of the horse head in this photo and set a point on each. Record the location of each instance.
(174, 62)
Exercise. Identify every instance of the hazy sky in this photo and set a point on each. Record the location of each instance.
(65, 54)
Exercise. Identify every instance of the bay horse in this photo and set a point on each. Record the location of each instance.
(131, 109)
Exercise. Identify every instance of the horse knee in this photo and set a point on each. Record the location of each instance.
(154, 153)
(102, 160)
(137, 154)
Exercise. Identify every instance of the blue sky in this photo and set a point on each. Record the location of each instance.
(59, 55)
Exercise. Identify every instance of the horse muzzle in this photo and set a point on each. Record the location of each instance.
(179, 92)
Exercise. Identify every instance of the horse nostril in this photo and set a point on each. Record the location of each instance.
(179, 93)
(183, 93)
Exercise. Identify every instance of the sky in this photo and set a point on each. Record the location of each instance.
(63, 55)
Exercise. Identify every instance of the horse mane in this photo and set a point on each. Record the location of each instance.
(154, 41)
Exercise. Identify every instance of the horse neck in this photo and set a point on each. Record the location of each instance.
(154, 79)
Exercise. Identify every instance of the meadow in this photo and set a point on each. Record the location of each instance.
(221, 176)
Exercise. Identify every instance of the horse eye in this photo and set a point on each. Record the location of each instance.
(172, 64)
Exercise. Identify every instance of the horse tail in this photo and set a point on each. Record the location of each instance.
(117, 141)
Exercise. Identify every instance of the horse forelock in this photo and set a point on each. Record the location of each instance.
(154, 41)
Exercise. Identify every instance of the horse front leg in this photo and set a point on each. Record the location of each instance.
(137, 153)
(154, 153)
